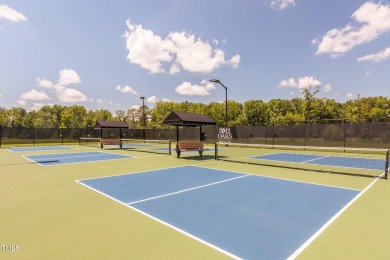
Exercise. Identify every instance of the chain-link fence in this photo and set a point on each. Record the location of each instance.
(375, 135)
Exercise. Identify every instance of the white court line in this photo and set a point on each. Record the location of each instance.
(181, 191)
(330, 221)
(282, 179)
(167, 224)
(91, 155)
(315, 159)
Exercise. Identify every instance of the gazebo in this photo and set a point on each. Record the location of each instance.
(188, 119)
(110, 125)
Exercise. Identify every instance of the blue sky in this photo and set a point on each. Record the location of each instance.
(106, 54)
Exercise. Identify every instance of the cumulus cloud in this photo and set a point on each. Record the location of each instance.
(126, 89)
(376, 57)
(10, 14)
(282, 4)
(36, 106)
(186, 88)
(61, 90)
(327, 88)
(67, 77)
(371, 20)
(34, 95)
(179, 50)
(70, 95)
(165, 100)
(350, 95)
(300, 83)
(44, 83)
(135, 107)
(152, 99)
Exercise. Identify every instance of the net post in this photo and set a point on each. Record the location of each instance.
(169, 147)
(216, 150)
(387, 164)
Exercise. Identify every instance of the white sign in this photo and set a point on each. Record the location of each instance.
(225, 135)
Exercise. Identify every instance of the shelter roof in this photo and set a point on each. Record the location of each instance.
(188, 119)
(110, 124)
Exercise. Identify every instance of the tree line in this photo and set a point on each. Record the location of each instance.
(308, 109)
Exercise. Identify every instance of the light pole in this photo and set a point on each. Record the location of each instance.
(226, 104)
(143, 115)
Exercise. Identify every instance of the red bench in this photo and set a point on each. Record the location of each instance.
(110, 142)
(189, 146)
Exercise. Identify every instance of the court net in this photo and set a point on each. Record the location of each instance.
(354, 161)
(151, 146)
(139, 145)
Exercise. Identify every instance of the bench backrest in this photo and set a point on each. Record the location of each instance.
(190, 145)
(110, 141)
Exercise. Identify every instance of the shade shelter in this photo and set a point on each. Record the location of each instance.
(188, 119)
(110, 125)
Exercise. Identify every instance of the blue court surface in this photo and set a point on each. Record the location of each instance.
(244, 216)
(56, 159)
(361, 163)
(38, 148)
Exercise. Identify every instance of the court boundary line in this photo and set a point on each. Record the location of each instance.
(283, 179)
(37, 150)
(328, 165)
(44, 165)
(165, 223)
(331, 220)
(295, 254)
(189, 189)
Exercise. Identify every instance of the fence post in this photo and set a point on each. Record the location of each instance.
(387, 164)
(62, 137)
(344, 137)
(33, 135)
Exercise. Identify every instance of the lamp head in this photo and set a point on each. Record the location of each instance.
(215, 81)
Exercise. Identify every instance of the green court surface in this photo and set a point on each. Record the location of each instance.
(46, 214)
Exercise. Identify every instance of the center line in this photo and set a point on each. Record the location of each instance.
(181, 191)
(315, 159)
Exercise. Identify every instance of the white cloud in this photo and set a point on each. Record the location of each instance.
(34, 95)
(288, 83)
(165, 100)
(180, 50)
(350, 95)
(1, 96)
(10, 14)
(22, 102)
(70, 95)
(152, 99)
(300, 83)
(174, 69)
(36, 106)
(377, 57)
(186, 88)
(63, 93)
(44, 83)
(136, 107)
(126, 89)
(282, 4)
(235, 60)
(374, 20)
(327, 88)
(67, 77)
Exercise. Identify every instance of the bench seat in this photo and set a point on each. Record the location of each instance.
(185, 146)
